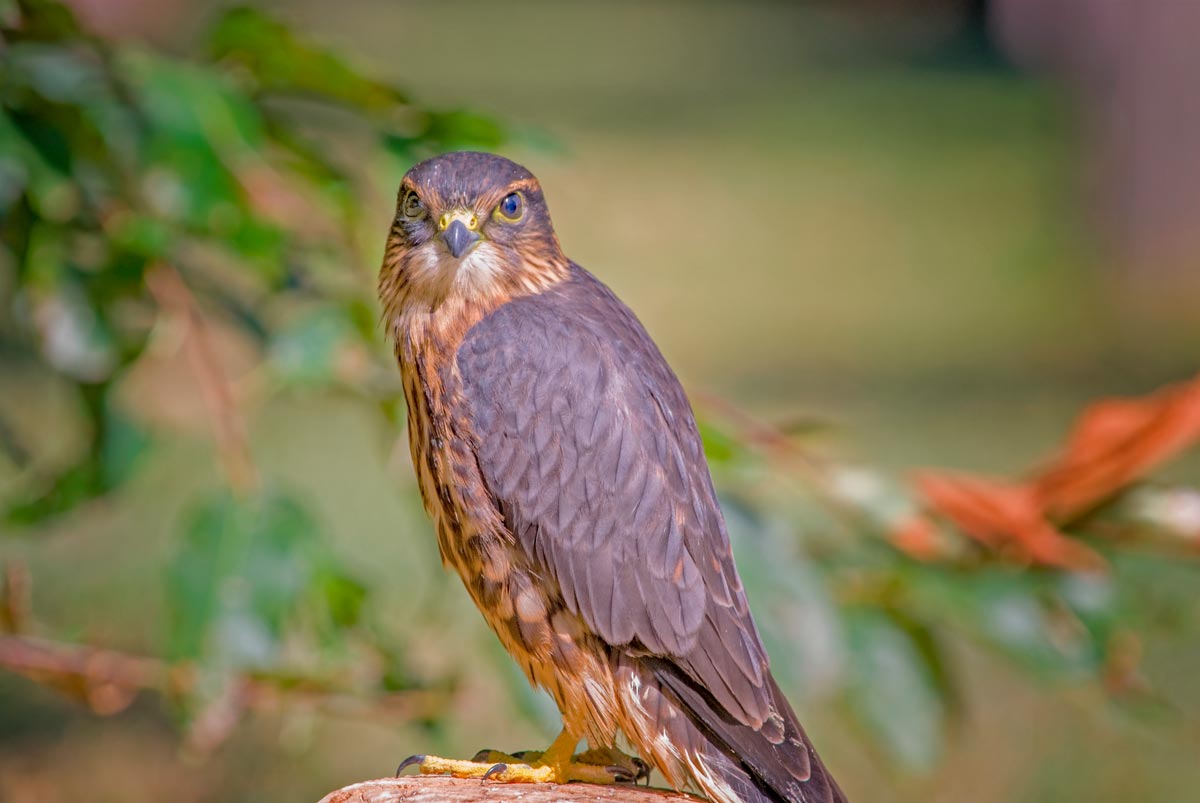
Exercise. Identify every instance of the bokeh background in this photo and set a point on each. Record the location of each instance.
(869, 236)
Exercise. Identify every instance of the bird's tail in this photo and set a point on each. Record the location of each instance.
(728, 761)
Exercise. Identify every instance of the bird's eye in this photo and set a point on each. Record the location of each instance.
(412, 206)
(511, 208)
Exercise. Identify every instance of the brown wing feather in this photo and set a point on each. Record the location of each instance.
(589, 447)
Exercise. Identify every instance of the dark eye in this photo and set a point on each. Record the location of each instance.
(412, 206)
(511, 207)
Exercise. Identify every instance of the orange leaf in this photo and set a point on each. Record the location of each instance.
(917, 536)
(1114, 443)
(999, 514)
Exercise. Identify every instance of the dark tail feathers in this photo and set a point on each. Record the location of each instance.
(753, 766)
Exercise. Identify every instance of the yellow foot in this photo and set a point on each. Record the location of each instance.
(602, 766)
(630, 769)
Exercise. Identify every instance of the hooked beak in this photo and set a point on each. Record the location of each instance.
(458, 231)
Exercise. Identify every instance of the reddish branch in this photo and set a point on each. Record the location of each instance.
(109, 680)
(228, 427)
(15, 597)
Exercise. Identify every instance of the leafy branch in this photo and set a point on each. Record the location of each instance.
(154, 208)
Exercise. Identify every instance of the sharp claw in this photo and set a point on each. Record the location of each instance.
(620, 774)
(408, 762)
(643, 770)
(496, 769)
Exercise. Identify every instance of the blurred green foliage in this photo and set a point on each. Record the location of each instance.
(117, 161)
(238, 174)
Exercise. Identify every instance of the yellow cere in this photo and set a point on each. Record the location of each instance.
(469, 219)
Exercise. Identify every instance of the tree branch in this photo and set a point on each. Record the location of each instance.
(435, 789)
(228, 426)
(108, 680)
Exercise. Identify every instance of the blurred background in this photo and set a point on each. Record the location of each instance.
(871, 237)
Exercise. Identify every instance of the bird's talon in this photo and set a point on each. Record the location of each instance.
(416, 758)
(496, 769)
(620, 774)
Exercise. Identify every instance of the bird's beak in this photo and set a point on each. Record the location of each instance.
(459, 231)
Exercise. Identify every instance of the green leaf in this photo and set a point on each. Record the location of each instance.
(203, 136)
(446, 131)
(800, 623)
(458, 129)
(78, 484)
(305, 352)
(1155, 593)
(344, 597)
(122, 447)
(893, 692)
(113, 451)
(249, 574)
(718, 445)
(58, 74)
(14, 178)
(278, 60)
(146, 236)
(1017, 612)
(189, 102)
(260, 244)
(243, 566)
(45, 19)
(45, 155)
(73, 337)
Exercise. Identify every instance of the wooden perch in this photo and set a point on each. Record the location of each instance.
(436, 788)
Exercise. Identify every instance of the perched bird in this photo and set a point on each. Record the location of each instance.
(560, 462)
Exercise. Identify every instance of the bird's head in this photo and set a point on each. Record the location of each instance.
(470, 227)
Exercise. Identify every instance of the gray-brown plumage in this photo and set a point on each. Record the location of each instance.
(560, 461)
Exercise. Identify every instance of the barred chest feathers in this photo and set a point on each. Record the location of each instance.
(526, 612)
(446, 471)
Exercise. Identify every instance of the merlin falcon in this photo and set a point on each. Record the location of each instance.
(560, 462)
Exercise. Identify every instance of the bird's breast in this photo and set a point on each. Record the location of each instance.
(441, 454)
(526, 611)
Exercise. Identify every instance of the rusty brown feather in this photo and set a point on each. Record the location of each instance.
(560, 462)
